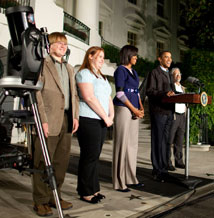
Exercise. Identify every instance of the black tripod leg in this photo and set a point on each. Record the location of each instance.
(49, 168)
(2, 97)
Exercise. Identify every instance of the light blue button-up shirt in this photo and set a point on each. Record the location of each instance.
(102, 91)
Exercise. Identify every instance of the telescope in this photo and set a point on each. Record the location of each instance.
(26, 47)
(26, 52)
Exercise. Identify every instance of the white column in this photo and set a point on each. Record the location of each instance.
(69, 6)
(88, 13)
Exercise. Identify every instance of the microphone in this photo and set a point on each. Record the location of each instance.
(194, 81)
(67, 54)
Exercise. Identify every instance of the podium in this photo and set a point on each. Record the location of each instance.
(188, 99)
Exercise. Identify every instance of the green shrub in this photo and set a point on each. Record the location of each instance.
(200, 64)
(143, 66)
(112, 53)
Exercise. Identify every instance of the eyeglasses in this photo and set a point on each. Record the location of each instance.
(61, 43)
(179, 74)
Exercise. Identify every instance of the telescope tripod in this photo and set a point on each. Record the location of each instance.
(12, 87)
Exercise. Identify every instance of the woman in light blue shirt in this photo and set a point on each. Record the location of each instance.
(96, 114)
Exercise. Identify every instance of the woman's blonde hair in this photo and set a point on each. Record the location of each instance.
(87, 63)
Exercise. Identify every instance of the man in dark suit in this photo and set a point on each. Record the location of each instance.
(159, 86)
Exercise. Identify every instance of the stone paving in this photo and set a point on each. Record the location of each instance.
(16, 199)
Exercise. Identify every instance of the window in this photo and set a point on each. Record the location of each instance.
(133, 2)
(160, 8)
(132, 38)
(101, 28)
(160, 48)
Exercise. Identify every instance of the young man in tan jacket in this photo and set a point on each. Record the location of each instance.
(59, 111)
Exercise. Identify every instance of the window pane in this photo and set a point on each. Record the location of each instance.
(160, 8)
(101, 28)
(160, 2)
(160, 48)
(133, 1)
(132, 38)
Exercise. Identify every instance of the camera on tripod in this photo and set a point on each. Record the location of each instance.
(26, 51)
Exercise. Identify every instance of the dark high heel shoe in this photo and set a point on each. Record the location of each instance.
(138, 185)
(123, 190)
(93, 200)
(100, 196)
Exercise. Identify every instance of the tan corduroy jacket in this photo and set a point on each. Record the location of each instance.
(51, 98)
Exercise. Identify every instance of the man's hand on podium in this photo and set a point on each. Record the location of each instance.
(170, 93)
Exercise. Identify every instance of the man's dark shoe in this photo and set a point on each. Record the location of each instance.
(43, 210)
(65, 205)
(171, 168)
(182, 166)
(158, 178)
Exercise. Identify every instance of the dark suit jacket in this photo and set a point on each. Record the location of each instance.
(51, 100)
(157, 87)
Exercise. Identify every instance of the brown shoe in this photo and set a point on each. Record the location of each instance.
(43, 210)
(65, 205)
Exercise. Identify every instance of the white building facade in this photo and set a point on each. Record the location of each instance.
(150, 25)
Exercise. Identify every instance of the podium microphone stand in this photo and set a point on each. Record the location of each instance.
(189, 99)
(189, 183)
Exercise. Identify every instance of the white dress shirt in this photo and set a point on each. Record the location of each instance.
(180, 108)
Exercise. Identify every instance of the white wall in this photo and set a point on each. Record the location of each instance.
(77, 49)
(48, 14)
(4, 31)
